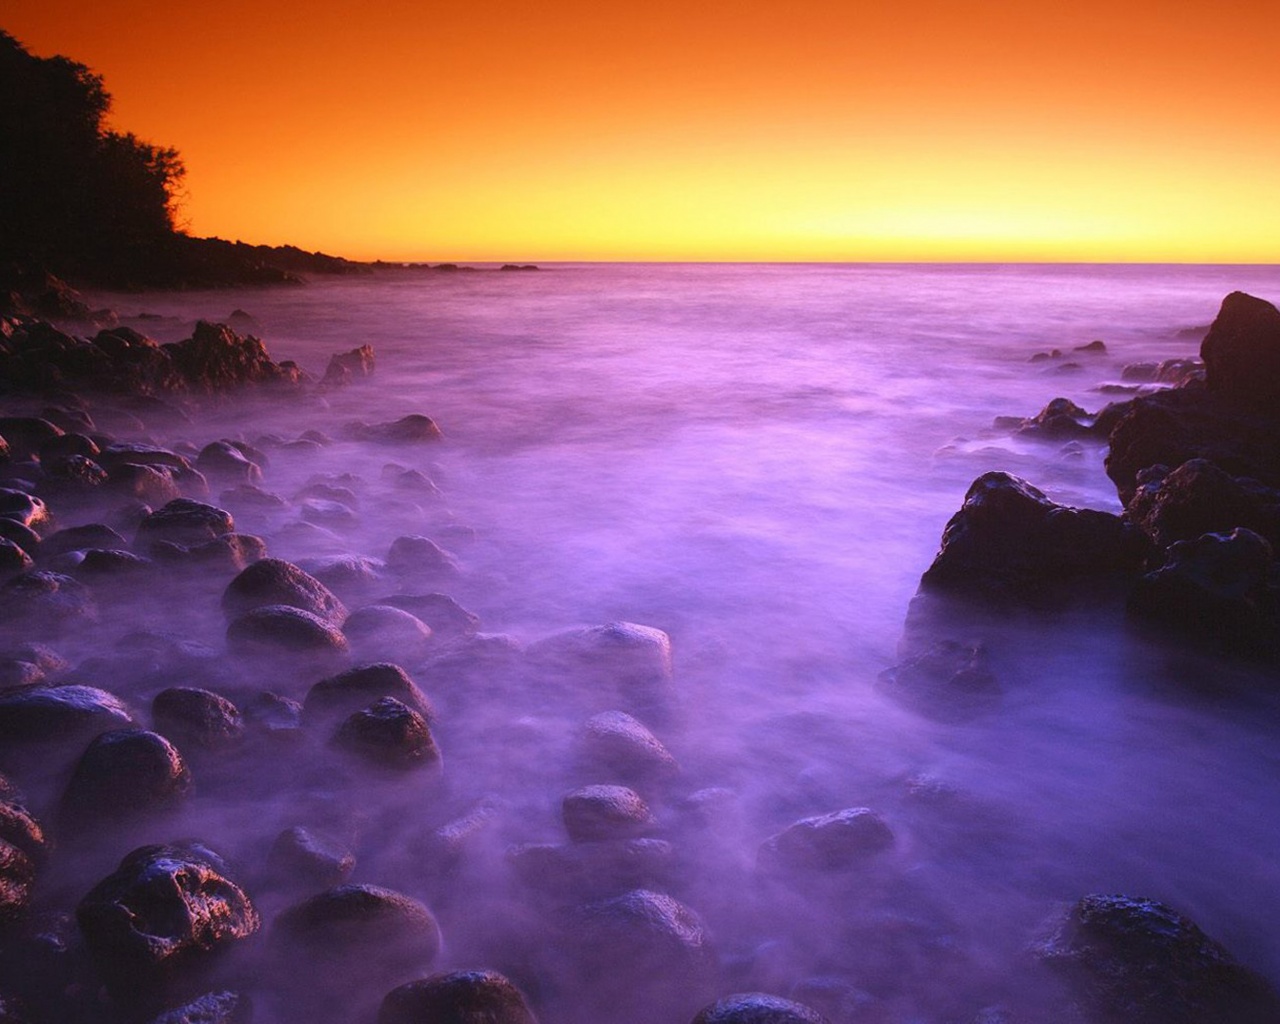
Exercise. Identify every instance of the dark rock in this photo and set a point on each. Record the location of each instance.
(25, 435)
(348, 576)
(125, 775)
(1009, 541)
(21, 535)
(17, 877)
(325, 942)
(81, 538)
(618, 743)
(46, 603)
(412, 429)
(644, 957)
(1179, 372)
(439, 611)
(275, 716)
(26, 509)
(139, 454)
(947, 680)
(1198, 498)
(1097, 346)
(223, 461)
(601, 812)
(164, 913)
(384, 630)
(1215, 590)
(462, 997)
(280, 628)
(389, 734)
(346, 367)
(1060, 419)
(339, 696)
(1140, 962)
(830, 842)
(301, 858)
(273, 581)
(58, 714)
(66, 445)
(72, 476)
(197, 720)
(252, 497)
(757, 1008)
(216, 358)
(421, 558)
(154, 485)
(210, 1008)
(230, 553)
(1241, 353)
(1141, 373)
(186, 522)
(99, 566)
(13, 559)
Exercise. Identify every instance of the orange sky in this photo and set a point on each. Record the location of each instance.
(702, 129)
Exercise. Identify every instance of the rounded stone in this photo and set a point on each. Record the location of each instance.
(460, 997)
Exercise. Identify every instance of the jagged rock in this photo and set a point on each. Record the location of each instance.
(210, 1008)
(122, 776)
(1137, 961)
(1059, 420)
(829, 842)
(757, 1008)
(389, 734)
(17, 877)
(601, 812)
(461, 997)
(1198, 498)
(216, 358)
(273, 581)
(346, 367)
(165, 912)
(1009, 541)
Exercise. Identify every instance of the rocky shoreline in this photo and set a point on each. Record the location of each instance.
(199, 737)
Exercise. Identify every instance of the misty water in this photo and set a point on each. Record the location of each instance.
(759, 461)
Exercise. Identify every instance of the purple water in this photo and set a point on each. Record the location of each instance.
(760, 460)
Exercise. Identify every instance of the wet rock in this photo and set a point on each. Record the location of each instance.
(605, 812)
(125, 775)
(46, 603)
(948, 679)
(620, 662)
(185, 522)
(210, 1008)
(644, 957)
(154, 485)
(380, 629)
(271, 715)
(282, 629)
(223, 461)
(13, 559)
(58, 715)
(162, 915)
(347, 367)
(17, 877)
(1060, 419)
(273, 581)
(230, 553)
(1198, 498)
(250, 496)
(216, 358)
(412, 429)
(444, 848)
(421, 558)
(331, 514)
(1138, 961)
(1010, 542)
(1141, 373)
(616, 742)
(389, 734)
(324, 945)
(25, 509)
(1241, 353)
(303, 859)
(24, 435)
(829, 842)
(81, 538)
(757, 1008)
(339, 696)
(348, 576)
(21, 535)
(439, 611)
(73, 476)
(67, 445)
(1097, 347)
(197, 720)
(593, 870)
(461, 997)
(20, 829)
(1215, 590)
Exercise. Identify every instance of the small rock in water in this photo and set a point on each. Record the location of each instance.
(197, 719)
(462, 997)
(829, 842)
(389, 734)
(210, 1008)
(302, 858)
(757, 1008)
(616, 742)
(337, 697)
(595, 813)
(273, 581)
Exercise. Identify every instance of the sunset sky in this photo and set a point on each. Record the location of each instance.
(987, 130)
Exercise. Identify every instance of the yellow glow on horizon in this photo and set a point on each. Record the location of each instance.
(1132, 131)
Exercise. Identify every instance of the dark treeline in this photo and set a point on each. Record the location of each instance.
(95, 205)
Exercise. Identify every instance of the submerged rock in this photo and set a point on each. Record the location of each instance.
(757, 1008)
(620, 662)
(186, 522)
(210, 1008)
(278, 629)
(595, 813)
(461, 997)
(1136, 961)
(302, 858)
(58, 715)
(336, 697)
(828, 842)
(389, 734)
(614, 741)
(948, 679)
(273, 581)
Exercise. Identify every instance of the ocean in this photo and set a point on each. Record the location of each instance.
(759, 460)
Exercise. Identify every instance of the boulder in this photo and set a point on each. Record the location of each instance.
(13, 560)
(1060, 420)
(757, 1008)
(185, 522)
(1009, 542)
(617, 743)
(460, 997)
(947, 679)
(278, 629)
(216, 358)
(1138, 961)
(337, 697)
(21, 535)
(20, 829)
(837, 841)
(1241, 353)
(81, 538)
(24, 435)
(1198, 498)
(384, 630)
(412, 429)
(620, 662)
(224, 462)
(389, 734)
(347, 367)
(25, 509)
(273, 581)
(197, 720)
(165, 912)
(303, 859)
(442, 613)
(602, 812)
(154, 485)
(61, 715)
(123, 776)
(421, 558)
(46, 603)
